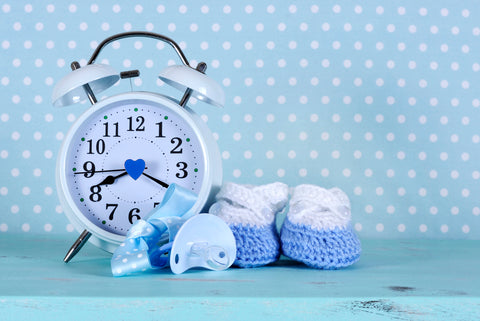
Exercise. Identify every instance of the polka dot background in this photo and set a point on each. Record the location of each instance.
(379, 99)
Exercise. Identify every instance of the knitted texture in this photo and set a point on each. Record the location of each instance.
(321, 249)
(256, 246)
(250, 213)
(317, 230)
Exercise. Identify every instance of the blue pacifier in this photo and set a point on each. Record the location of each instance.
(203, 241)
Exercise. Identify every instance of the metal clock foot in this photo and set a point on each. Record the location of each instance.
(79, 243)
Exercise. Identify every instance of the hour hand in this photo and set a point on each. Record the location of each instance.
(111, 179)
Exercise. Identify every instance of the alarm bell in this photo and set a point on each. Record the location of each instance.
(83, 83)
(202, 87)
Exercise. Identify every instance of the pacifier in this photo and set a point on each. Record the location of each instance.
(203, 241)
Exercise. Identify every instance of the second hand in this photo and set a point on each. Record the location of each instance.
(103, 171)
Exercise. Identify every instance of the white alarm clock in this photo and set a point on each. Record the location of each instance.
(120, 156)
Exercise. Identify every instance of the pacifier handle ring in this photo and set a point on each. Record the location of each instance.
(146, 34)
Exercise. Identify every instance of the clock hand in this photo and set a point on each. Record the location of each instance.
(111, 179)
(163, 184)
(102, 171)
(105, 171)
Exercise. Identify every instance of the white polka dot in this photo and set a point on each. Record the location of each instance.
(48, 191)
(444, 228)
(302, 172)
(325, 172)
(237, 173)
(280, 172)
(15, 136)
(368, 172)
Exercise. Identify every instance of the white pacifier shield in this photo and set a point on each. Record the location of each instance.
(204, 240)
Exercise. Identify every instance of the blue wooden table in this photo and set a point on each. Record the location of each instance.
(401, 280)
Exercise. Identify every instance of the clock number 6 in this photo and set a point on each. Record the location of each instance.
(132, 215)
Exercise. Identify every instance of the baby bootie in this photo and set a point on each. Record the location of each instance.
(317, 229)
(250, 213)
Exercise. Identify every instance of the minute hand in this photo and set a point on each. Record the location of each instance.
(156, 180)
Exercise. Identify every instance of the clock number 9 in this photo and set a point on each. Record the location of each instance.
(89, 168)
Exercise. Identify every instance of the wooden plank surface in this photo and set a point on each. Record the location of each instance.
(404, 280)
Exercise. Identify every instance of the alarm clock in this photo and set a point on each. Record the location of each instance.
(122, 153)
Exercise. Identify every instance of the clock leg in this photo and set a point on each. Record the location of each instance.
(88, 90)
(186, 96)
(79, 243)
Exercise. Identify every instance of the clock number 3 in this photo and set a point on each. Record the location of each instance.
(182, 166)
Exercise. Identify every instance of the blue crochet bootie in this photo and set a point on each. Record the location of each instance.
(317, 230)
(250, 213)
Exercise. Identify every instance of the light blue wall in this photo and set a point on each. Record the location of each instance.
(380, 99)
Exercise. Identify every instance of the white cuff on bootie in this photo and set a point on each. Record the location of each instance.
(319, 208)
(250, 205)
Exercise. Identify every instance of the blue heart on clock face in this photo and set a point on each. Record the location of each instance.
(134, 168)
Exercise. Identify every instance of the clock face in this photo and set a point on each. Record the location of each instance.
(122, 157)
